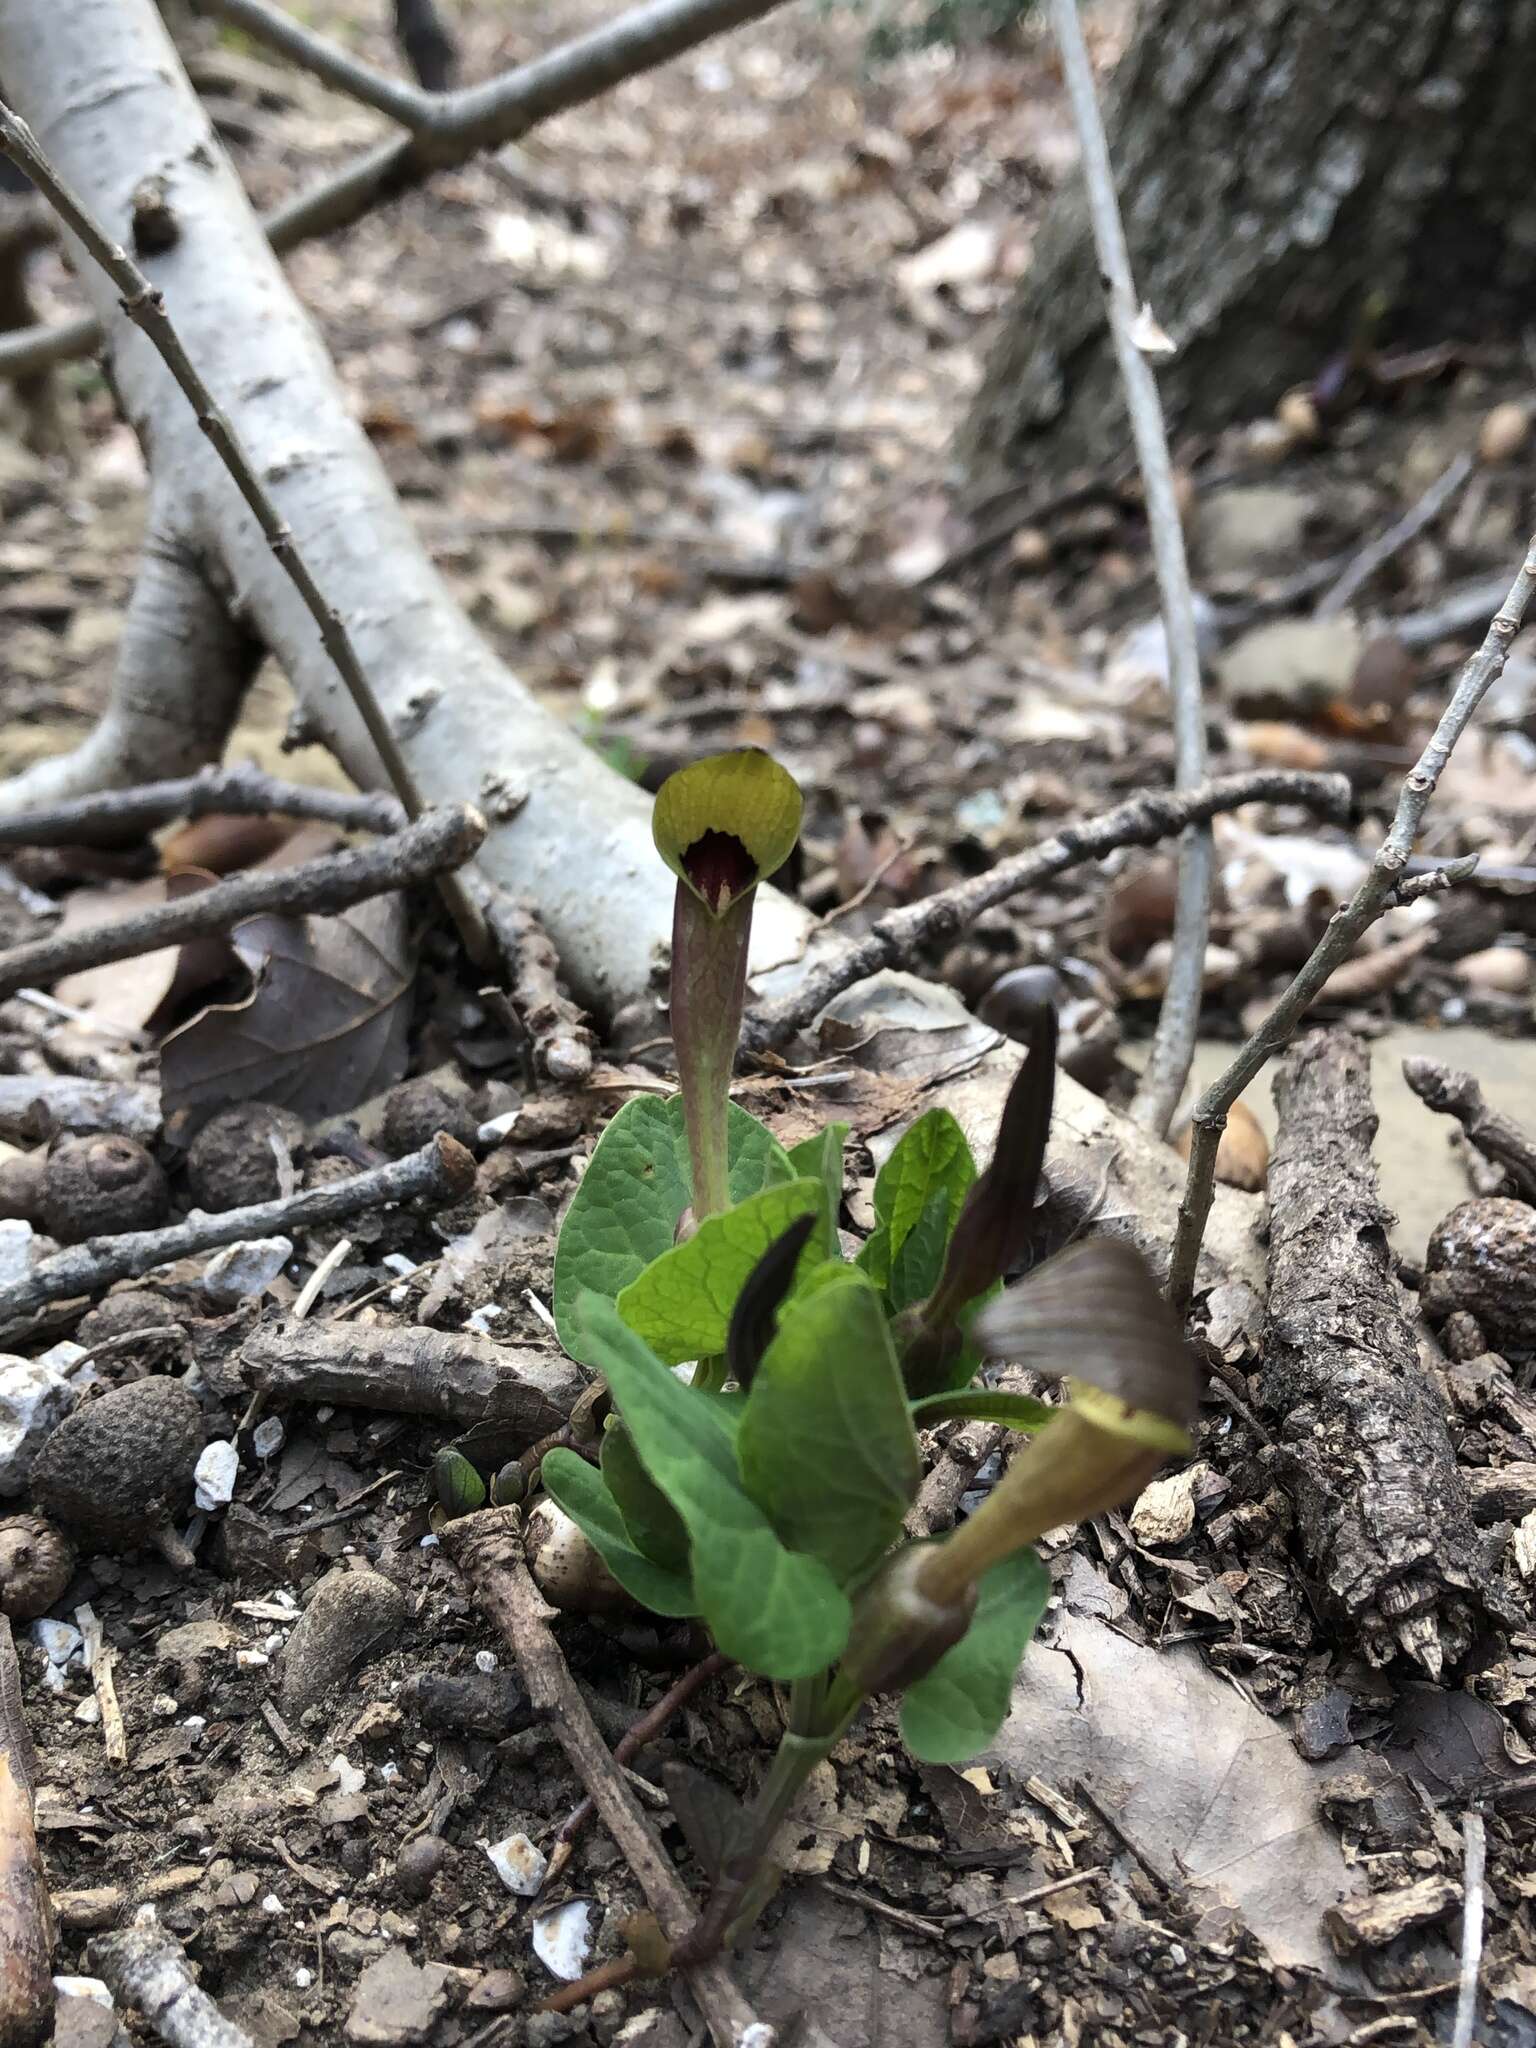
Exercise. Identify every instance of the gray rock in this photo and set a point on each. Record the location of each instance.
(397, 2001)
(1290, 667)
(352, 1618)
(34, 1400)
(1251, 530)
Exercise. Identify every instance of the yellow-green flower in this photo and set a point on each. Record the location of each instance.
(725, 824)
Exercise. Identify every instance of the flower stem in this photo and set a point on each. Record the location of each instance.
(709, 983)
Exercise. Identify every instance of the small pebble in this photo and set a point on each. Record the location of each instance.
(521, 1868)
(84, 1987)
(562, 1939)
(272, 1903)
(267, 1437)
(60, 1641)
(348, 1777)
(88, 1713)
(240, 1270)
(251, 1660)
(303, 1978)
(485, 1660)
(418, 1863)
(214, 1476)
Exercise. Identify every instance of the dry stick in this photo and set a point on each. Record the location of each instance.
(1140, 821)
(148, 1970)
(645, 1730)
(442, 1171)
(243, 791)
(562, 1040)
(487, 1548)
(478, 118)
(1344, 929)
(436, 842)
(1379, 552)
(410, 105)
(1452, 1092)
(26, 1941)
(1474, 1838)
(144, 305)
(1173, 1044)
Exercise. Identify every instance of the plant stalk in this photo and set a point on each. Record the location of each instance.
(709, 987)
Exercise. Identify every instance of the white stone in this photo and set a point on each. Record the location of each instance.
(88, 1713)
(60, 1641)
(562, 1939)
(214, 1475)
(267, 1436)
(84, 1987)
(485, 1660)
(244, 1269)
(34, 1400)
(521, 1868)
(15, 1250)
(348, 1777)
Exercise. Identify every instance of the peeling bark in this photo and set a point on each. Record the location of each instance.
(1282, 165)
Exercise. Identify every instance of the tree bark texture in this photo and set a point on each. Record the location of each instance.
(1362, 1444)
(1284, 166)
(106, 96)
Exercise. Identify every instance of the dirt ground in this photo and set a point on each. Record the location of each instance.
(669, 392)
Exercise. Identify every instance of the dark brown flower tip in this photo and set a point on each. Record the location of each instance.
(720, 869)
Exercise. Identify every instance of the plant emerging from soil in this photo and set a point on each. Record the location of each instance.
(765, 1495)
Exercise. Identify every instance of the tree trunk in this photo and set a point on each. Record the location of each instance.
(1291, 171)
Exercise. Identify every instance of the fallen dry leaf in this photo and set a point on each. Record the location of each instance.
(323, 1028)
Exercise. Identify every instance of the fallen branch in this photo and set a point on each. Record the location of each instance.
(26, 1941)
(488, 1550)
(435, 843)
(1344, 929)
(465, 123)
(1364, 565)
(408, 104)
(440, 1172)
(1172, 1050)
(1474, 1837)
(1141, 821)
(147, 1969)
(243, 791)
(560, 1039)
(37, 1106)
(644, 1731)
(1382, 1513)
(951, 1477)
(1453, 1093)
(451, 1374)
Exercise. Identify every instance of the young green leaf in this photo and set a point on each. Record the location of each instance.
(931, 1156)
(959, 1706)
(756, 1314)
(772, 1609)
(826, 1445)
(574, 1485)
(983, 1404)
(821, 1158)
(874, 1256)
(916, 1267)
(682, 1303)
(625, 1210)
(653, 1523)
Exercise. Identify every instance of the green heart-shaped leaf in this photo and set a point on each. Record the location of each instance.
(932, 1157)
(775, 1610)
(962, 1702)
(826, 1445)
(577, 1487)
(637, 1184)
(681, 1304)
(653, 1523)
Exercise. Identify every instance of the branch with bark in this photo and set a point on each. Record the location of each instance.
(1172, 1050)
(1345, 928)
(1455, 1093)
(1143, 820)
(241, 791)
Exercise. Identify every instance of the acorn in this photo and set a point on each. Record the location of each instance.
(1139, 909)
(1504, 432)
(100, 1185)
(414, 1113)
(21, 1186)
(118, 1471)
(1242, 1157)
(233, 1160)
(1297, 413)
(37, 1562)
(566, 1567)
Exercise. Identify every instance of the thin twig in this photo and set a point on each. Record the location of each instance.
(243, 791)
(408, 104)
(1474, 1837)
(1452, 1092)
(1344, 929)
(1377, 553)
(99, 1661)
(559, 1037)
(26, 1924)
(487, 1548)
(144, 304)
(1173, 1044)
(645, 1730)
(477, 118)
(442, 1171)
(1140, 821)
(148, 1970)
(438, 841)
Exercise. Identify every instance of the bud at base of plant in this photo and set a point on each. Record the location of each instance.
(900, 1630)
